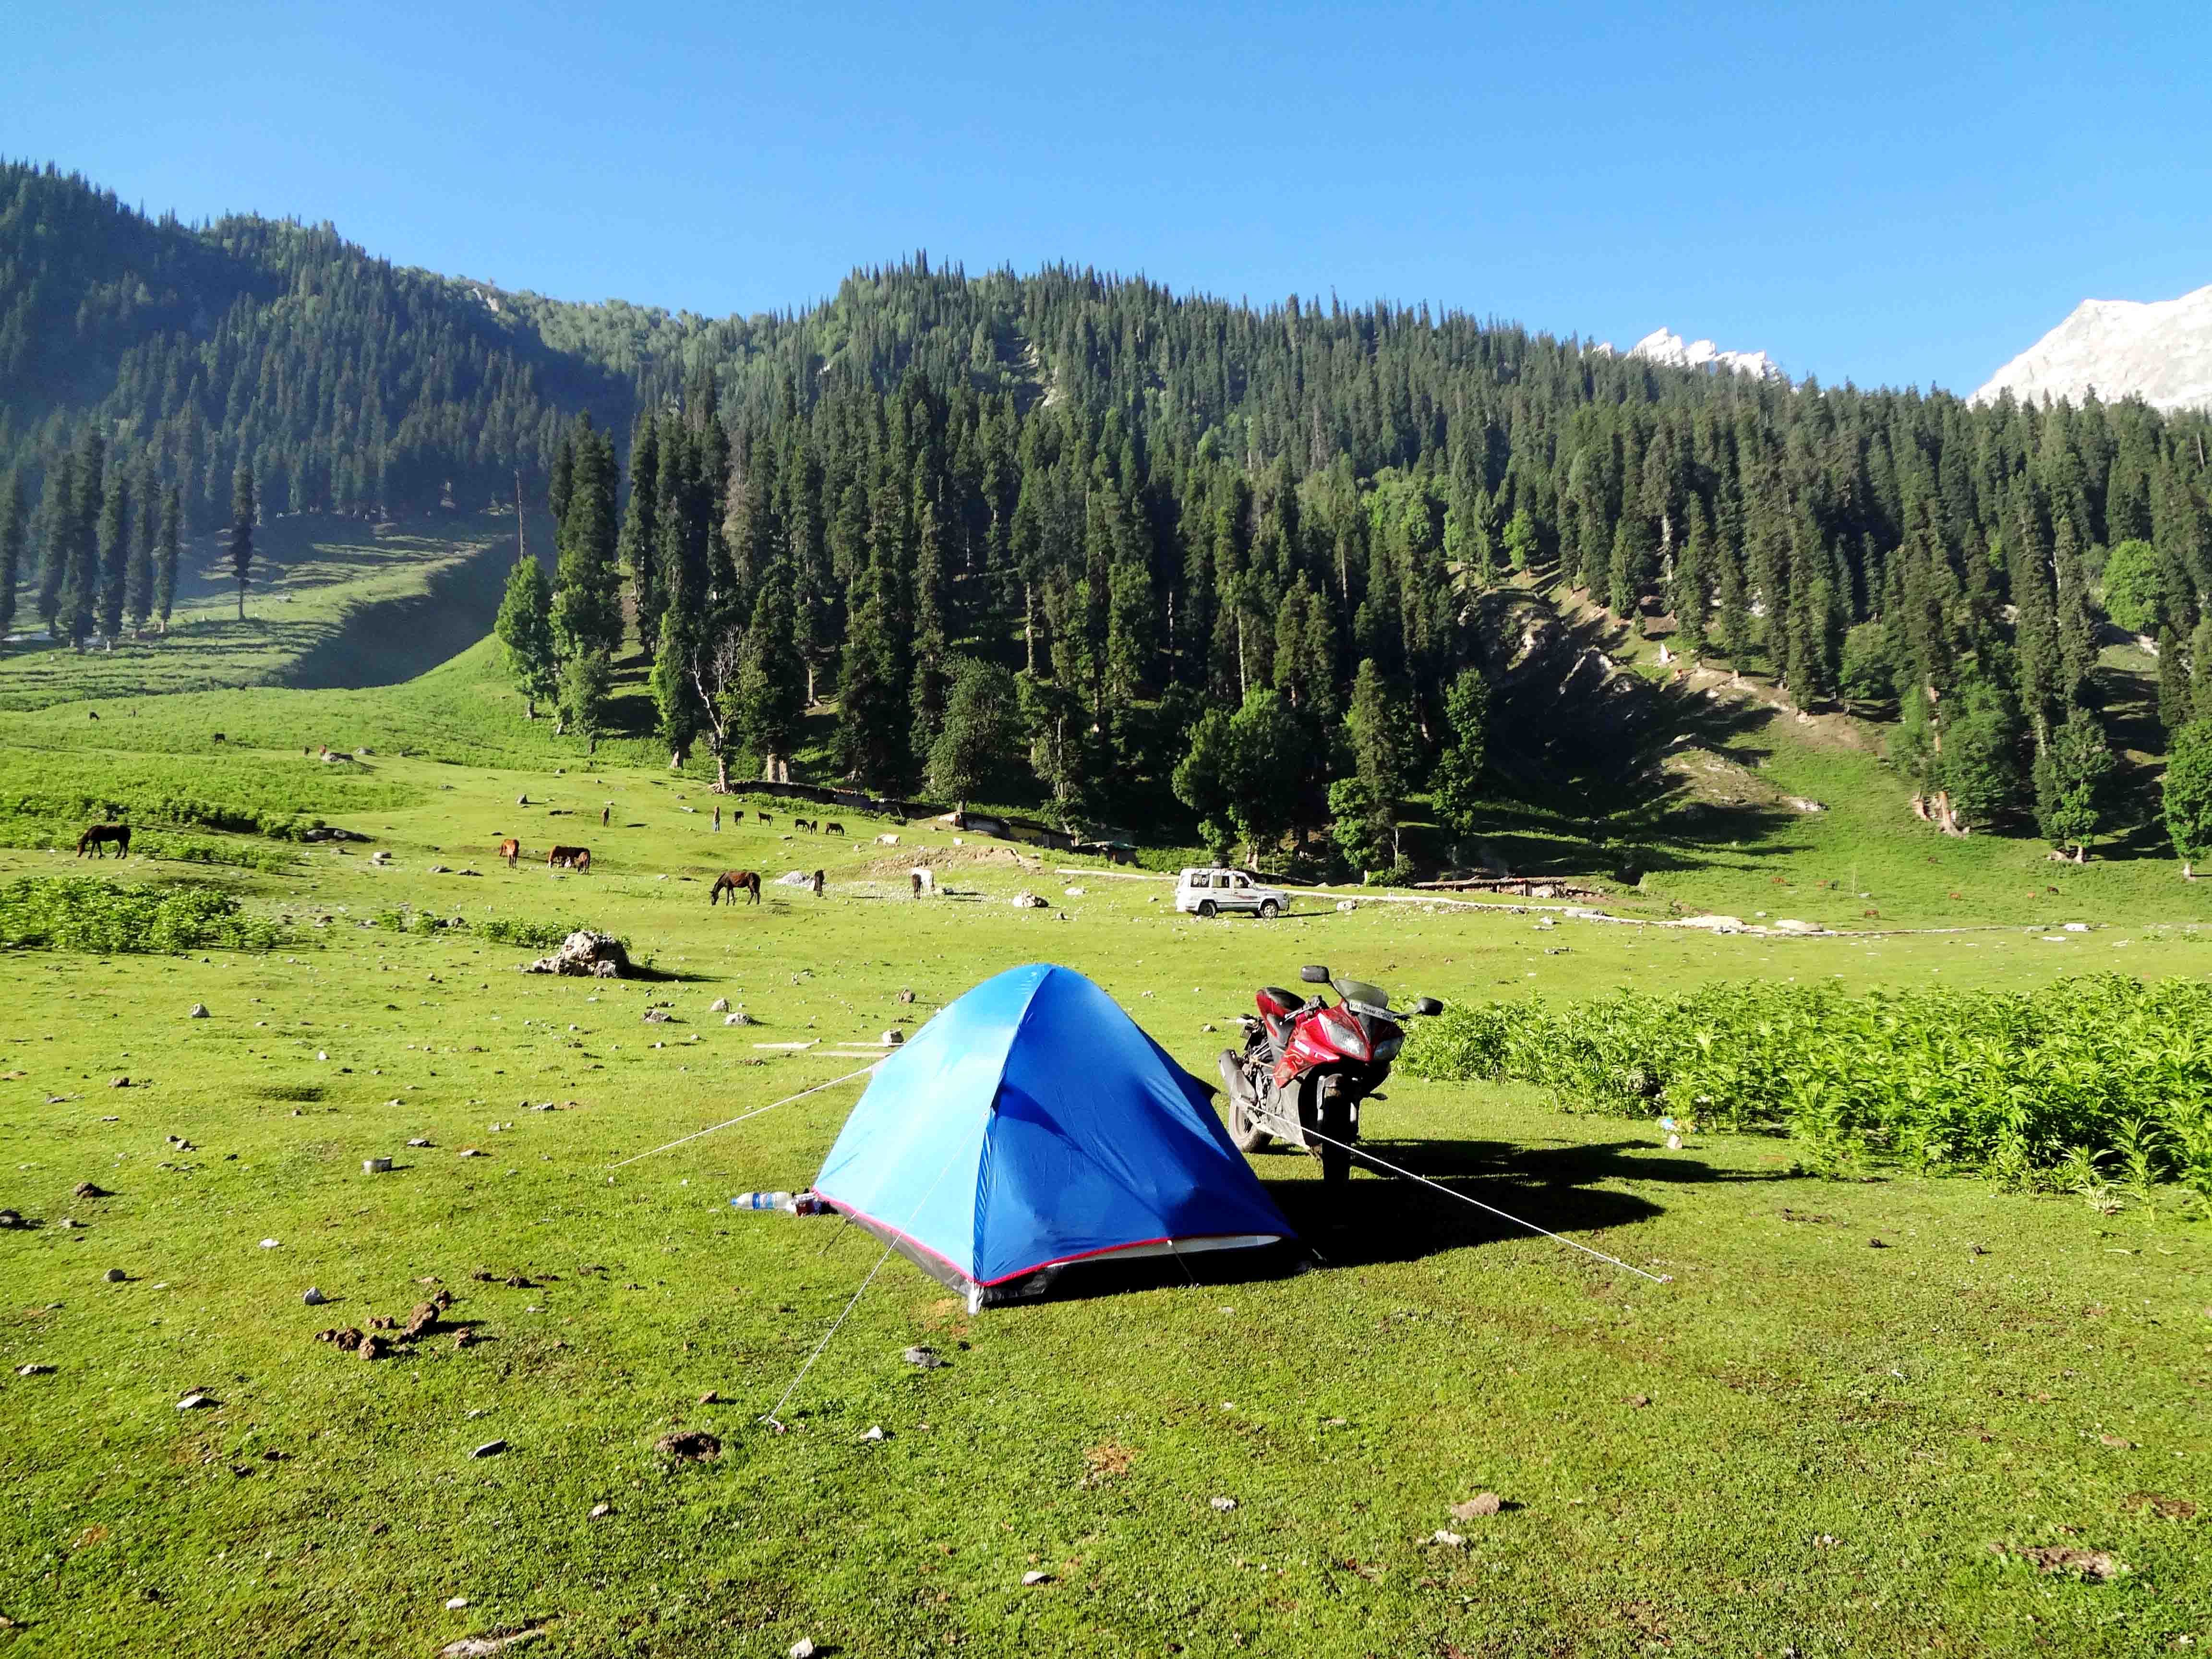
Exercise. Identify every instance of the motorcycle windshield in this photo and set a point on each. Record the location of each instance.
(1368, 997)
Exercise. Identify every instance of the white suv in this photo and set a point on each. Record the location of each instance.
(1209, 891)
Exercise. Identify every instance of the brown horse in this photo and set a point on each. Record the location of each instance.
(576, 858)
(734, 882)
(510, 850)
(817, 883)
(92, 838)
(833, 829)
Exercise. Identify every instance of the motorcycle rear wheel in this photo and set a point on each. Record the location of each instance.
(1243, 1125)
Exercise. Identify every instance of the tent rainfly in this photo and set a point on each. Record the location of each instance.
(1031, 1126)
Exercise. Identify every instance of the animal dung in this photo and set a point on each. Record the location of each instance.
(1483, 1503)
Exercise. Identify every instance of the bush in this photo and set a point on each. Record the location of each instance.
(500, 930)
(78, 912)
(2018, 1085)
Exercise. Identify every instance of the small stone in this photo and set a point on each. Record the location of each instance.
(1483, 1503)
(600, 1509)
(875, 1433)
(322, 1053)
(718, 1006)
(1225, 1504)
(739, 1018)
(904, 996)
(269, 1244)
(2118, 1441)
(421, 1141)
(1447, 1539)
(1638, 1402)
(710, 1398)
(68, 1221)
(489, 1449)
(118, 1083)
(1032, 1578)
(34, 1370)
(115, 1275)
(199, 1012)
(197, 1400)
(802, 1648)
(924, 1356)
(454, 1604)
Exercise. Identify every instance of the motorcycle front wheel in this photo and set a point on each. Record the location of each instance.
(1333, 1117)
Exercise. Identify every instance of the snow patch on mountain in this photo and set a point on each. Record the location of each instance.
(2160, 351)
(1665, 347)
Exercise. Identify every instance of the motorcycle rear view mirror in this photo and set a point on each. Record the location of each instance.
(1427, 1005)
(1314, 974)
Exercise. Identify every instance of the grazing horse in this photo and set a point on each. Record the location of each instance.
(510, 850)
(734, 882)
(576, 858)
(833, 830)
(100, 833)
(802, 823)
(766, 818)
(817, 883)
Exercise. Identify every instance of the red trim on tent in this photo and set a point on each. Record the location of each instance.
(1020, 1273)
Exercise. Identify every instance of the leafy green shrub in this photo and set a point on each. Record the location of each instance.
(500, 930)
(78, 913)
(186, 849)
(2008, 1084)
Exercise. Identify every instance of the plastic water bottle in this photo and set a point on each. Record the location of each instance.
(762, 1201)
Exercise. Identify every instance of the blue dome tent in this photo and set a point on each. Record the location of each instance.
(1032, 1124)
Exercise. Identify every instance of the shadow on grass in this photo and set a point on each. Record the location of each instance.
(1381, 1218)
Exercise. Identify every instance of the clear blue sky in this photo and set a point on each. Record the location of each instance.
(1891, 194)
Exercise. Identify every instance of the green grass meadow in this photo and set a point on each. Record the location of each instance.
(1831, 1432)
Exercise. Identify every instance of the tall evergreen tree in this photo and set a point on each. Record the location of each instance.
(57, 535)
(138, 581)
(114, 535)
(771, 691)
(165, 553)
(638, 544)
(14, 535)
(524, 627)
(243, 510)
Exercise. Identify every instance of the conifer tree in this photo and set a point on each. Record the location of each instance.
(1385, 745)
(1457, 782)
(138, 584)
(243, 510)
(14, 535)
(114, 553)
(2072, 779)
(638, 544)
(980, 727)
(874, 718)
(771, 683)
(525, 629)
(586, 613)
(165, 554)
(57, 535)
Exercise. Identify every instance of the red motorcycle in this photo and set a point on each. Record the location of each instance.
(1308, 1063)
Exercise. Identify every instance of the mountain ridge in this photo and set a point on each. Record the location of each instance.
(2160, 351)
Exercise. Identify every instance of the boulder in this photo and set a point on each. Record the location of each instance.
(1028, 902)
(585, 955)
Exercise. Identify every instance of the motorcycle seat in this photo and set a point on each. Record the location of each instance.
(1274, 1001)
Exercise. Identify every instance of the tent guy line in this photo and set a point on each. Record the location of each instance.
(1366, 1157)
(742, 1116)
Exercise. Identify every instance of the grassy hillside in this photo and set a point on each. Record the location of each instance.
(332, 601)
